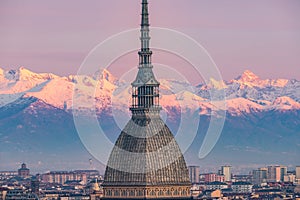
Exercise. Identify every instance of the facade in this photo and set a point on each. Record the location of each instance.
(146, 161)
(283, 172)
(259, 176)
(276, 173)
(298, 174)
(216, 186)
(19, 194)
(61, 177)
(5, 175)
(242, 187)
(212, 177)
(23, 171)
(194, 172)
(289, 178)
(8, 173)
(226, 171)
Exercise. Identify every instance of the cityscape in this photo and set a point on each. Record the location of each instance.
(266, 182)
(142, 129)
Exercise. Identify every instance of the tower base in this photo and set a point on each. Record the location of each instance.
(145, 193)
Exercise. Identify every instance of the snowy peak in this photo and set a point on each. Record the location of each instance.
(246, 94)
(249, 79)
(248, 76)
(23, 74)
(241, 105)
(1, 75)
(108, 76)
(27, 75)
(105, 75)
(216, 84)
(285, 103)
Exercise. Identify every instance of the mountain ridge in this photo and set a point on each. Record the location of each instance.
(246, 90)
(262, 122)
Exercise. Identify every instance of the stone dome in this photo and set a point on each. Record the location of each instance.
(146, 154)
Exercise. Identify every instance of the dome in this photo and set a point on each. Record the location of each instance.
(146, 154)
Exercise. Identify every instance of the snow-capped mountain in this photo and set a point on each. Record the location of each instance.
(36, 122)
(245, 94)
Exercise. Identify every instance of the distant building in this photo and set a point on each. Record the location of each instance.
(242, 178)
(259, 176)
(91, 174)
(241, 187)
(298, 173)
(75, 197)
(215, 194)
(212, 177)
(276, 173)
(289, 178)
(63, 176)
(35, 185)
(194, 172)
(216, 185)
(226, 171)
(95, 191)
(19, 194)
(283, 172)
(23, 171)
(3, 192)
(5, 175)
(8, 173)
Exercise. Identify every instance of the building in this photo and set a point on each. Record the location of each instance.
(61, 177)
(8, 173)
(5, 175)
(291, 178)
(212, 194)
(19, 194)
(241, 187)
(146, 161)
(216, 185)
(23, 171)
(226, 171)
(298, 174)
(91, 174)
(95, 191)
(259, 176)
(35, 186)
(194, 172)
(3, 192)
(283, 173)
(276, 173)
(212, 177)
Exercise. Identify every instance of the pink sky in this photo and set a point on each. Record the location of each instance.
(55, 36)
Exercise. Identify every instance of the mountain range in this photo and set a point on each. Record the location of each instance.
(262, 124)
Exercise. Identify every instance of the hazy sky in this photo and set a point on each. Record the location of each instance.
(55, 36)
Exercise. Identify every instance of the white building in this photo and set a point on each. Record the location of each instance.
(63, 176)
(241, 187)
(226, 171)
(216, 185)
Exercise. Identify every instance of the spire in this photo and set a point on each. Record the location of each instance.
(145, 53)
(145, 14)
(145, 88)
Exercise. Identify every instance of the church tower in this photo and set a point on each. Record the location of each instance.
(146, 161)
